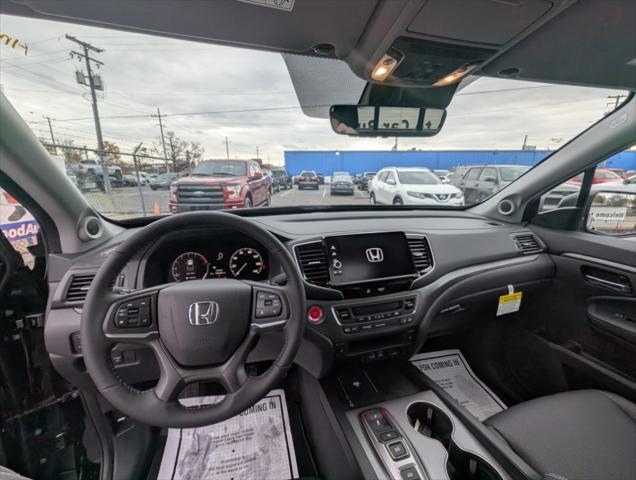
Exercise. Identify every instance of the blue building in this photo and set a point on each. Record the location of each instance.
(358, 161)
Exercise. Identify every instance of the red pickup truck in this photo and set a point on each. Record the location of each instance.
(221, 184)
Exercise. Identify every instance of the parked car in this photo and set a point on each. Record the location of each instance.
(412, 186)
(282, 178)
(618, 171)
(130, 180)
(93, 167)
(365, 178)
(163, 181)
(456, 174)
(221, 184)
(308, 179)
(341, 184)
(321, 178)
(628, 186)
(443, 175)
(144, 177)
(601, 175)
(479, 183)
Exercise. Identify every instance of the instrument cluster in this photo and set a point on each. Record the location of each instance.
(193, 256)
(244, 263)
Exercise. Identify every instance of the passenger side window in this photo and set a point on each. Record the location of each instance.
(382, 176)
(612, 174)
(19, 227)
(473, 174)
(390, 178)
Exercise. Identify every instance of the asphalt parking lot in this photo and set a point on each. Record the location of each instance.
(125, 202)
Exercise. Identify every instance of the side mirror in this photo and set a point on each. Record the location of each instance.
(491, 180)
(257, 176)
(612, 213)
(390, 181)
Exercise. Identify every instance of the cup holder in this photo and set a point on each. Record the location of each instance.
(430, 421)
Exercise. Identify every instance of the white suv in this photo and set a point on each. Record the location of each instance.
(412, 186)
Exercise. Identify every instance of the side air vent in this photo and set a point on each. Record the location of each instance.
(313, 262)
(421, 253)
(527, 243)
(78, 288)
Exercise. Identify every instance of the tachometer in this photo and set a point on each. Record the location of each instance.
(189, 266)
(246, 262)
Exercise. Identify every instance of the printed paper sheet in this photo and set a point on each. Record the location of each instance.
(449, 369)
(254, 445)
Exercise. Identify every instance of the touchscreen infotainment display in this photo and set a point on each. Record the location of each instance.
(368, 257)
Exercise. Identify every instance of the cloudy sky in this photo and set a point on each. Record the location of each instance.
(209, 92)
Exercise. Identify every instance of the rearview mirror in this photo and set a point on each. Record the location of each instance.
(379, 121)
(612, 213)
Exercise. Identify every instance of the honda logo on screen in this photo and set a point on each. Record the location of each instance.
(375, 254)
(203, 313)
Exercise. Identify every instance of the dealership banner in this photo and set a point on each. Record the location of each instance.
(16, 222)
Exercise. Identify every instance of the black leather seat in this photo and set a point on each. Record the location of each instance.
(578, 435)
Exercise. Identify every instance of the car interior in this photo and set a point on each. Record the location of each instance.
(355, 313)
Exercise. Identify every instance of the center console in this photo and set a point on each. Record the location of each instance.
(365, 303)
(418, 438)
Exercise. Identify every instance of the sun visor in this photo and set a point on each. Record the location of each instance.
(322, 82)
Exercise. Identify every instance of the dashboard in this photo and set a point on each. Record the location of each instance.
(377, 284)
(203, 254)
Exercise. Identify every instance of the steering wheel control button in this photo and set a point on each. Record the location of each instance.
(133, 314)
(315, 314)
(397, 450)
(268, 305)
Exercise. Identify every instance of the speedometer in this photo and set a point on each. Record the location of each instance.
(246, 262)
(189, 266)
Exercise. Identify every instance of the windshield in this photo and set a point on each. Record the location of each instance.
(217, 169)
(421, 177)
(201, 112)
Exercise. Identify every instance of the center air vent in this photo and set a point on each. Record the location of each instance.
(78, 288)
(421, 253)
(313, 262)
(527, 243)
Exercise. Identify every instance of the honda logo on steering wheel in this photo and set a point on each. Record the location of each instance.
(203, 313)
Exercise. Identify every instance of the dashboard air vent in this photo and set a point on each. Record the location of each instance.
(78, 288)
(527, 243)
(421, 253)
(313, 262)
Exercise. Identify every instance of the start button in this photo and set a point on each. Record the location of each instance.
(315, 314)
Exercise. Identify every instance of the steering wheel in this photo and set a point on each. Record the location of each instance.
(199, 330)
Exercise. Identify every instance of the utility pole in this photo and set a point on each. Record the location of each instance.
(174, 158)
(48, 119)
(163, 140)
(188, 164)
(617, 98)
(141, 193)
(227, 148)
(256, 151)
(525, 140)
(87, 47)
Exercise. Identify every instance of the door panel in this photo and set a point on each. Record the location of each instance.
(590, 313)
